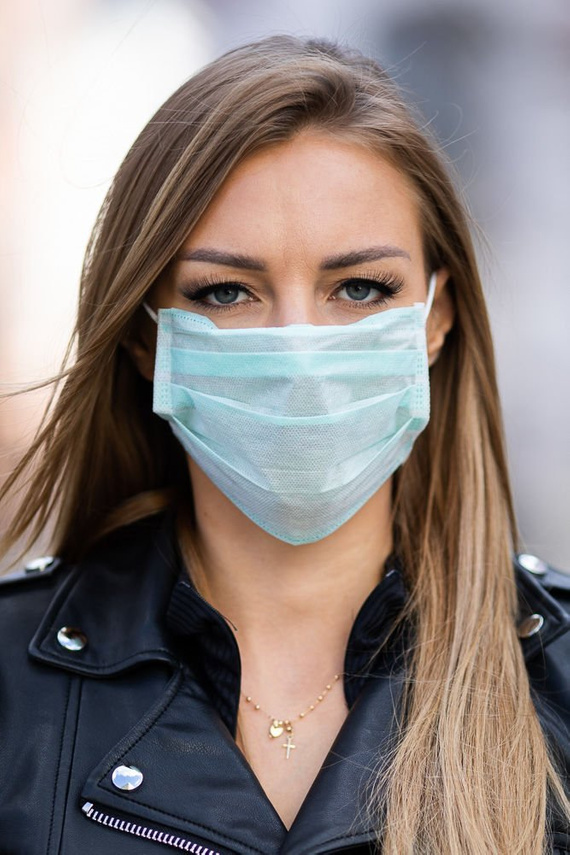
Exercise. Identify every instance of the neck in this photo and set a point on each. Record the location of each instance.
(270, 590)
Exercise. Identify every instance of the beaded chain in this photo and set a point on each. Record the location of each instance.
(280, 726)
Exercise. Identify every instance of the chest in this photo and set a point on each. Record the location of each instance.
(286, 764)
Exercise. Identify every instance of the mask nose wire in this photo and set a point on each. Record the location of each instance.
(430, 295)
(150, 312)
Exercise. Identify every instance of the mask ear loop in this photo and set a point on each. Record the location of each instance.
(150, 312)
(430, 295)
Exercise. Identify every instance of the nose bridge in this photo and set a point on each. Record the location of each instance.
(295, 302)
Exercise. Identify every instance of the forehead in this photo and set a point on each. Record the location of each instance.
(313, 191)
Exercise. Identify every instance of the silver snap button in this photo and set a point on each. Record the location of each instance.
(530, 626)
(127, 777)
(533, 564)
(71, 638)
(38, 565)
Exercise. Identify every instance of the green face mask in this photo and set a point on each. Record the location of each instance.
(297, 425)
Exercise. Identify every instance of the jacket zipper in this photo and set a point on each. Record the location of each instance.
(145, 831)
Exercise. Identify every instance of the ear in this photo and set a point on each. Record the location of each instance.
(140, 344)
(441, 317)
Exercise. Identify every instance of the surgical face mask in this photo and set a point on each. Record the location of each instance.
(298, 425)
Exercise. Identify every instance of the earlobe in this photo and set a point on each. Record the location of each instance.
(441, 317)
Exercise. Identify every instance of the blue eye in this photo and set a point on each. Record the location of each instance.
(359, 291)
(366, 292)
(225, 294)
(218, 295)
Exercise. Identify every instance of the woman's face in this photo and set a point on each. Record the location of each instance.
(314, 230)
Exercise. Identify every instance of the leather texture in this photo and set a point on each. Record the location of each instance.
(145, 692)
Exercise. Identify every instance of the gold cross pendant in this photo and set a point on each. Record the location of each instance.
(288, 746)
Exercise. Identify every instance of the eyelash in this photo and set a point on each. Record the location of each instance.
(390, 284)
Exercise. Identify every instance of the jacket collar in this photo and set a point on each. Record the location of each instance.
(117, 599)
(133, 603)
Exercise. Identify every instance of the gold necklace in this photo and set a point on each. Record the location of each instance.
(280, 726)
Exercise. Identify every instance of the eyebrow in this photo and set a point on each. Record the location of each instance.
(373, 253)
(217, 256)
(331, 262)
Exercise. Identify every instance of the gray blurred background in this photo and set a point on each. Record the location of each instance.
(79, 78)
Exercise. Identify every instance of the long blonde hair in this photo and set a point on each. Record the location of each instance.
(471, 771)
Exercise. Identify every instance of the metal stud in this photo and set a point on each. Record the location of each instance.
(530, 626)
(533, 564)
(39, 565)
(127, 777)
(71, 638)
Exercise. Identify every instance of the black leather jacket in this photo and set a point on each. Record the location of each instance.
(118, 662)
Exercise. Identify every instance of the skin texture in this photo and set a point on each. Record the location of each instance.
(289, 209)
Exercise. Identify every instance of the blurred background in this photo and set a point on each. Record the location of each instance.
(79, 79)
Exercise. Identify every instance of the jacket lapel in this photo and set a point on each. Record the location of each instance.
(195, 780)
(333, 816)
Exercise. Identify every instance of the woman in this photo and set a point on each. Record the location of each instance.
(284, 616)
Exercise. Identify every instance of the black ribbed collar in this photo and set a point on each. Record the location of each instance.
(207, 642)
